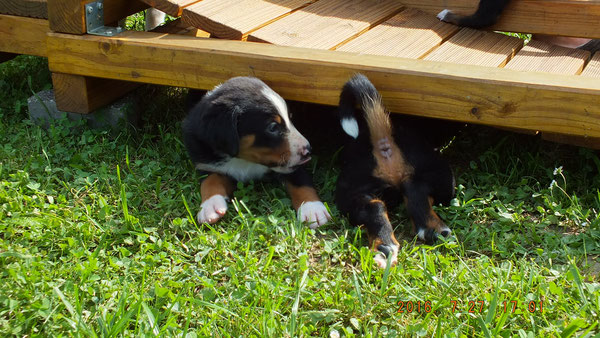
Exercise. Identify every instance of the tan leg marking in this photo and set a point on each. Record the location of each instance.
(216, 184)
(301, 194)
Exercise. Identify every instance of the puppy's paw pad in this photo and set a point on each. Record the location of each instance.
(381, 259)
(444, 15)
(212, 209)
(315, 213)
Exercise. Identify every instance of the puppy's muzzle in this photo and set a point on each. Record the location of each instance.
(305, 153)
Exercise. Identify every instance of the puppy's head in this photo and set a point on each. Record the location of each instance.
(245, 118)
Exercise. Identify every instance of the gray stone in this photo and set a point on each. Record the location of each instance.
(42, 110)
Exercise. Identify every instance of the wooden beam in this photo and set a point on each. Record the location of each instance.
(179, 27)
(30, 8)
(67, 16)
(171, 7)
(80, 94)
(565, 104)
(22, 35)
(554, 17)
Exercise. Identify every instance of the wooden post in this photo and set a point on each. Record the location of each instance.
(68, 16)
(81, 94)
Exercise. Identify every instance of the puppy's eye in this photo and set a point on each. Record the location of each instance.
(273, 128)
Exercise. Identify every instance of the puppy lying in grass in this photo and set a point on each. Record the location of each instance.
(241, 131)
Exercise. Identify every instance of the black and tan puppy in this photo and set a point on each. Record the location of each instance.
(241, 131)
(383, 166)
(487, 14)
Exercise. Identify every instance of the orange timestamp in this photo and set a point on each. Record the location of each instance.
(477, 306)
(471, 306)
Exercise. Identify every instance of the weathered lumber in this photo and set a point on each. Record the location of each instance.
(475, 47)
(410, 34)
(593, 67)
(485, 95)
(179, 27)
(540, 56)
(68, 16)
(326, 24)
(22, 35)
(30, 8)
(234, 19)
(80, 94)
(554, 17)
(171, 7)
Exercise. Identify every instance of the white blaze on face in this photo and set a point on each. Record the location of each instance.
(296, 141)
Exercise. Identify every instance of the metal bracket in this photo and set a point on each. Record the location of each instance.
(94, 20)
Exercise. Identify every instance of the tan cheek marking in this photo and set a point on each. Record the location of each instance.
(216, 184)
(263, 155)
(301, 194)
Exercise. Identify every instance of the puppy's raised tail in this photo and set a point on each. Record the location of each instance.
(359, 95)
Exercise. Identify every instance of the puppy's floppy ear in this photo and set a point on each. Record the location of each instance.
(218, 127)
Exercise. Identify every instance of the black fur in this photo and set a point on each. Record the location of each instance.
(487, 14)
(365, 197)
(241, 131)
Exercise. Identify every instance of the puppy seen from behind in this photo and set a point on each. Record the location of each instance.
(383, 166)
(241, 131)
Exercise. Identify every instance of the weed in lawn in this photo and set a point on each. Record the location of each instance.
(98, 237)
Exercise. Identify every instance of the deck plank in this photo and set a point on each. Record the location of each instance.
(540, 56)
(234, 19)
(410, 34)
(474, 47)
(29, 8)
(171, 7)
(579, 18)
(178, 27)
(327, 23)
(593, 67)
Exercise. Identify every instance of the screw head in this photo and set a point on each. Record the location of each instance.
(99, 5)
(90, 10)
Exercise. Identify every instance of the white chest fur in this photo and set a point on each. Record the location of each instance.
(239, 169)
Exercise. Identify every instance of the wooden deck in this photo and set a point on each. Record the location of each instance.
(307, 49)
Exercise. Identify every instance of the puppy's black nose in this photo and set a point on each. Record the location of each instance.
(306, 151)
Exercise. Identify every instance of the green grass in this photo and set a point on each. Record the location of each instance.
(98, 238)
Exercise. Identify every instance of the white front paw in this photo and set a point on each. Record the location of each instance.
(443, 14)
(315, 213)
(212, 209)
(381, 259)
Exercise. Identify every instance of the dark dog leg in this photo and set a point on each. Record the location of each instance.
(427, 224)
(215, 190)
(372, 213)
(305, 199)
(487, 14)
